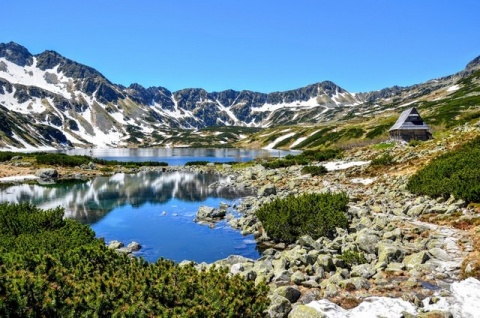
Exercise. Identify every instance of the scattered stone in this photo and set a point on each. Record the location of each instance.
(267, 190)
(303, 311)
(115, 244)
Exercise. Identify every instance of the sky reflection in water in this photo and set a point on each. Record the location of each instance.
(155, 209)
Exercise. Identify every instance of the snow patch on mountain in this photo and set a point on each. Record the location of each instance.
(30, 75)
(276, 141)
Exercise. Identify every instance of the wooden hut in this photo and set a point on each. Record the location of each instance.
(410, 126)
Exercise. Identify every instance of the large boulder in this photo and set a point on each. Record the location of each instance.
(47, 174)
(209, 214)
(279, 307)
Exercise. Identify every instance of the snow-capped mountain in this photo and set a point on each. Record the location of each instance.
(47, 100)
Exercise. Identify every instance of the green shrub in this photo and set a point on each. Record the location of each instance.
(313, 214)
(131, 164)
(283, 163)
(6, 155)
(353, 258)
(51, 267)
(456, 172)
(197, 163)
(383, 160)
(60, 159)
(314, 170)
(414, 143)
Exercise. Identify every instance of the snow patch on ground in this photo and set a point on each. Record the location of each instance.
(341, 165)
(464, 303)
(364, 181)
(18, 178)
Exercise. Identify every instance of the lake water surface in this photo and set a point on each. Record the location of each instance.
(179, 156)
(155, 209)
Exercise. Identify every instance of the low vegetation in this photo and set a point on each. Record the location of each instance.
(304, 158)
(385, 159)
(352, 258)
(64, 160)
(55, 267)
(314, 214)
(197, 163)
(453, 173)
(314, 170)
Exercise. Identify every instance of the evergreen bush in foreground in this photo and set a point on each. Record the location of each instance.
(456, 172)
(51, 267)
(311, 214)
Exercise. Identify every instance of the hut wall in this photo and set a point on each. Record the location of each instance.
(411, 134)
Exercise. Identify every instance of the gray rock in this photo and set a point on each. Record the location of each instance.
(355, 282)
(416, 210)
(237, 268)
(390, 252)
(279, 307)
(439, 254)
(413, 260)
(393, 235)
(303, 311)
(297, 278)
(362, 270)
(47, 174)
(115, 244)
(267, 190)
(367, 240)
(325, 261)
(206, 213)
(289, 292)
(132, 247)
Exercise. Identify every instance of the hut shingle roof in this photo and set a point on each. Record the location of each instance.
(410, 119)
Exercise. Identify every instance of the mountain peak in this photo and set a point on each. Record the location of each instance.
(474, 64)
(16, 53)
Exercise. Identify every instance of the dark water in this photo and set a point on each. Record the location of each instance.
(179, 156)
(155, 209)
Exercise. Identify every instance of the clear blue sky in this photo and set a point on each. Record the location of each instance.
(260, 45)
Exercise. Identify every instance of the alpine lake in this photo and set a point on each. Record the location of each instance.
(154, 208)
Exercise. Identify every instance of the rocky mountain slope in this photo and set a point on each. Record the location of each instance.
(47, 100)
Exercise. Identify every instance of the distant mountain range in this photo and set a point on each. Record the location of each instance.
(47, 100)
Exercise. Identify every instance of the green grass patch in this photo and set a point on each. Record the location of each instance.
(384, 145)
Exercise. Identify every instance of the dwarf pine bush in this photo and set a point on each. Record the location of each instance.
(55, 267)
(456, 172)
(314, 214)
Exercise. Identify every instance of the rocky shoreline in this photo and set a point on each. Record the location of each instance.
(412, 268)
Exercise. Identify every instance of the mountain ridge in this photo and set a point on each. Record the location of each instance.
(89, 110)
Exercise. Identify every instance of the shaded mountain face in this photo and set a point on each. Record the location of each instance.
(47, 100)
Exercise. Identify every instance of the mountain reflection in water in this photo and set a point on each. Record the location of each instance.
(155, 209)
(90, 201)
